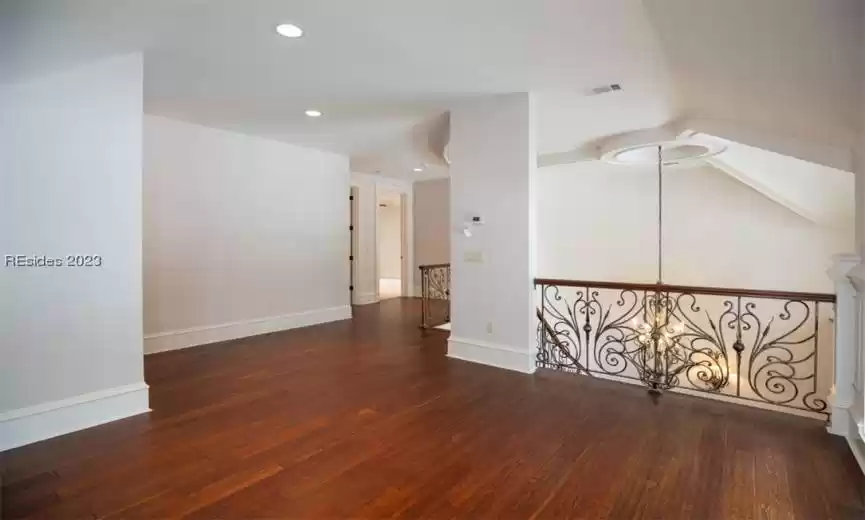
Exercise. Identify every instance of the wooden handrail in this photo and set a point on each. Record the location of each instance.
(716, 291)
(432, 266)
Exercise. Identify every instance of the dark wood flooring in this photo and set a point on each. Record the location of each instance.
(369, 419)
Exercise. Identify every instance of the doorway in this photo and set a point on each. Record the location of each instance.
(390, 239)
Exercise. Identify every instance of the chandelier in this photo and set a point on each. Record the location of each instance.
(660, 357)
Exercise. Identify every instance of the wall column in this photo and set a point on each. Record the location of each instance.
(493, 163)
(856, 429)
(841, 398)
(857, 276)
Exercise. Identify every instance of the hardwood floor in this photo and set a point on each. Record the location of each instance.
(369, 419)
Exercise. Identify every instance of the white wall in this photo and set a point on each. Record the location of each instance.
(494, 158)
(597, 222)
(365, 279)
(70, 157)
(242, 235)
(389, 240)
(432, 229)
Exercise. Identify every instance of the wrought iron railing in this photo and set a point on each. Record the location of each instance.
(435, 294)
(766, 348)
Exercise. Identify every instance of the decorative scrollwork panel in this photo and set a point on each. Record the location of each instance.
(774, 351)
(435, 294)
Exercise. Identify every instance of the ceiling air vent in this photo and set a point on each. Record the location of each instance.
(604, 89)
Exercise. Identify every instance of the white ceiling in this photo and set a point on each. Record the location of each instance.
(375, 68)
(378, 68)
(381, 69)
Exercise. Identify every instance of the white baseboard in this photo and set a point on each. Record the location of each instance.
(858, 449)
(179, 339)
(47, 420)
(365, 298)
(845, 424)
(485, 353)
(839, 423)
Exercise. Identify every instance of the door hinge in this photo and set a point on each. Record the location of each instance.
(351, 258)
(351, 197)
(351, 228)
(351, 287)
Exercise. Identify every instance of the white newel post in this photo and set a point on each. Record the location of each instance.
(857, 410)
(841, 398)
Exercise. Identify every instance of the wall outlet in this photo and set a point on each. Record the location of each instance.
(489, 327)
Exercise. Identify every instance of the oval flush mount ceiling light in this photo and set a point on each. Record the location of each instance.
(640, 147)
(418, 169)
(674, 153)
(313, 113)
(289, 30)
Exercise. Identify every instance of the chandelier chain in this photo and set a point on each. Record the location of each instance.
(660, 216)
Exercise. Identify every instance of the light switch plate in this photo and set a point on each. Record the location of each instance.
(474, 257)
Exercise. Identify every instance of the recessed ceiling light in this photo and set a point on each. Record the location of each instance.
(313, 113)
(418, 169)
(289, 30)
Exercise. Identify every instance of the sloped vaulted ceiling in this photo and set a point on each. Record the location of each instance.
(788, 68)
